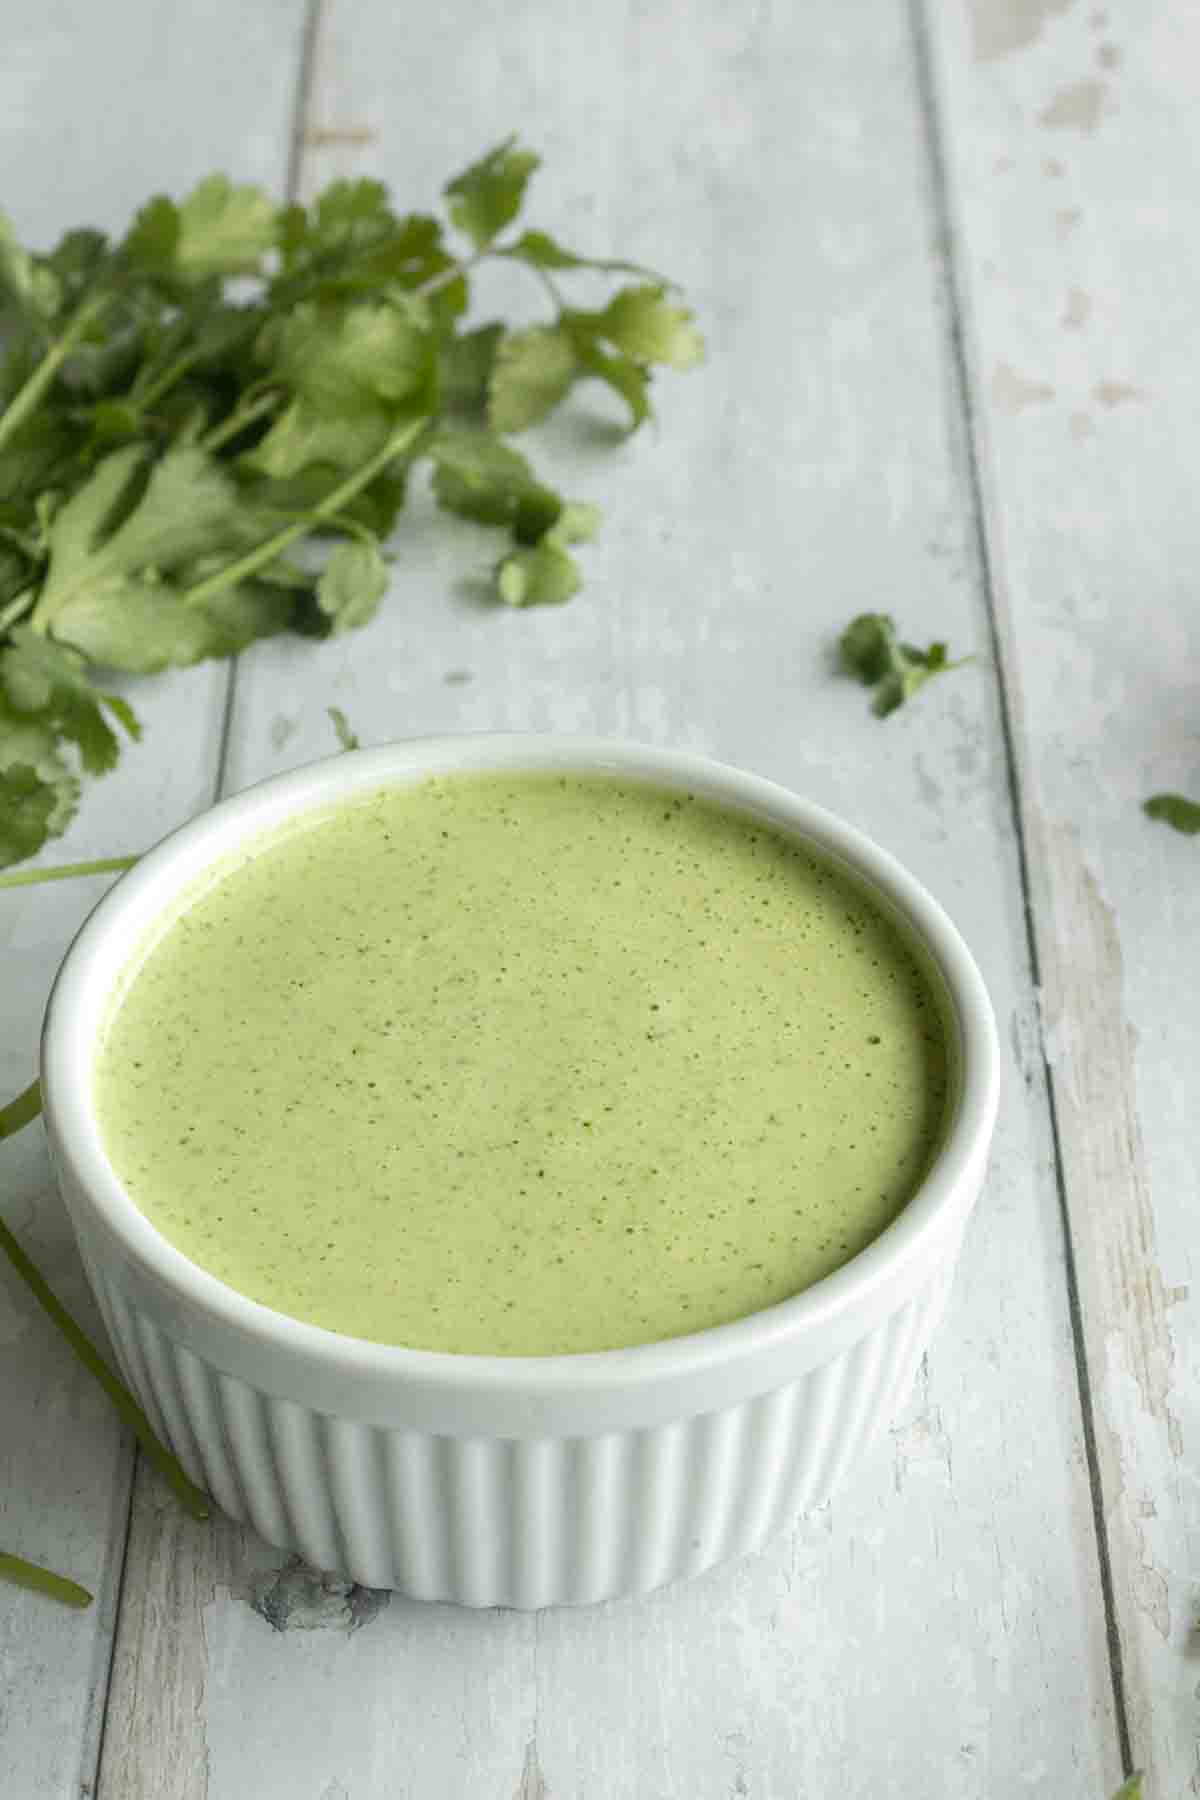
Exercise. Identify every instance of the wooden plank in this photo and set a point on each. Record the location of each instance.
(939, 1628)
(92, 117)
(1072, 149)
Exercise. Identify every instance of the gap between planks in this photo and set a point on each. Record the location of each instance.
(962, 364)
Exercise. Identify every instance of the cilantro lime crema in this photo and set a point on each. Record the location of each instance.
(522, 1065)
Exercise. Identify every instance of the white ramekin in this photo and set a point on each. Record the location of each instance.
(495, 1481)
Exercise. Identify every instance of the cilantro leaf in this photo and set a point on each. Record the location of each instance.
(34, 287)
(39, 792)
(218, 230)
(870, 649)
(465, 364)
(487, 196)
(621, 373)
(645, 324)
(1175, 810)
(352, 370)
(533, 371)
(223, 230)
(43, 678)
(189, 508)
(481, 478)
(353, 583)
(544, 575)
(27, 805)
(147, 625)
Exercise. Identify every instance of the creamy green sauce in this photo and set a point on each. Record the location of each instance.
(521, 1066)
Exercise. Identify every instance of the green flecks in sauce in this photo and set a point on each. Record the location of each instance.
(521, 1066)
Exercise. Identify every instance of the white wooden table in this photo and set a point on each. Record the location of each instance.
(945, 255)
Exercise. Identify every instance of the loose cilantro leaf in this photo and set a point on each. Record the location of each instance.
(1176, 810)
(487, 196)
(533, 371)
(347, 738)
(870, 650)
(1130, 1790)
(352, 584)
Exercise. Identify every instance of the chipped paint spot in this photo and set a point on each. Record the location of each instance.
(532, 1785)
(1108, 56)
(1078, 107)
(1127, 1320)
(1117, 393)
(1082, 426)
(1077, 309)
(1066, 220)
(282, 728)
(998, 27)
(1150, 1591)
(297, 1598)
(1013, 392)
(1053, 168)
(1024, 1036)
(457, 677)
(327, 137)
(922, 1442)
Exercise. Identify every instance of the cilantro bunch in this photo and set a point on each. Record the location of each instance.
(182, 410)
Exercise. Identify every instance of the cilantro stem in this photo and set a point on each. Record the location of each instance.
(42, 1581)
(103, 865)
(22, 603)
(399, 441)
(193, 1500)
(155, 390)
(238, 420)
(22, 1110)
(458, 270)
(27, 397)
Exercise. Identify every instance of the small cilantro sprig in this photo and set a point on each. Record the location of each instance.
(168, 440)
(870, 649)
(1175, 810)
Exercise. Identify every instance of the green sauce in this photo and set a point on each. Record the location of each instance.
(522, 1066)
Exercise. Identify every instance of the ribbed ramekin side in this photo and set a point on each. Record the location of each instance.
(528, 1522)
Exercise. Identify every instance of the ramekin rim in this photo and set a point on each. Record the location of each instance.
(91, 963)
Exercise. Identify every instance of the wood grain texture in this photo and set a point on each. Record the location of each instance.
(938, 1629)
(96, 109)
(1072, 160)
